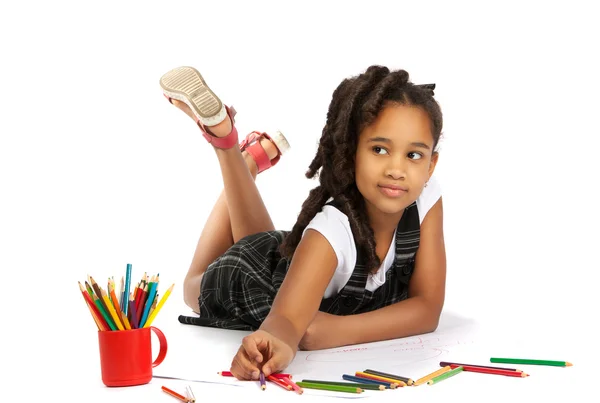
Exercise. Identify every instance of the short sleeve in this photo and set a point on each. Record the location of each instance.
(428, 197)
(335, 227)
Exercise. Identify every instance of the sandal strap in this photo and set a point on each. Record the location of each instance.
(252, 145)
(222, 142)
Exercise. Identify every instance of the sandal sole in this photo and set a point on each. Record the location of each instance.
(186, 84)
(280, 141)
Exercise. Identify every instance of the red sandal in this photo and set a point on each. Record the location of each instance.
(252, 145)
(185, 84)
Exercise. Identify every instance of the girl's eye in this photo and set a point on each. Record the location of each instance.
(379, 150)
(415, 156)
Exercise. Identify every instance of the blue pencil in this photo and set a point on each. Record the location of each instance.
(126, 290)
(357, 379)
(149, 301)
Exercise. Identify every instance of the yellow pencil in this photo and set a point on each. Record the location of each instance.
(432, 375)
(160, 304)
(111, 310)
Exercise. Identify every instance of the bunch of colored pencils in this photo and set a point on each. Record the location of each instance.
(282, 380)
(376, 380)
(124, 310)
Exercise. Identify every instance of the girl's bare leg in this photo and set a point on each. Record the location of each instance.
(238, 212)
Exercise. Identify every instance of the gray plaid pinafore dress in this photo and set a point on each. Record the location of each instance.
(238, 288)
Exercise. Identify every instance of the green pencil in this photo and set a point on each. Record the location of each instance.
(333, 388)
(527, 361)
(370, 386)
(106, 316)
(445, 375)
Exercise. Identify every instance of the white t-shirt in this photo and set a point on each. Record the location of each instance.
(335, 227)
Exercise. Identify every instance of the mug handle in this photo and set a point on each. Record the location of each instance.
(163, 346)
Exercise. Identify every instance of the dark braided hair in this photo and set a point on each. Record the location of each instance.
(355, 104)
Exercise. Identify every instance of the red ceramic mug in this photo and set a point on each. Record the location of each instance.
(126, 355)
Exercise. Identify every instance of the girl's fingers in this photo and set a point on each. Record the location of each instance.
(250, 344)
(275, 364)
(242, 367)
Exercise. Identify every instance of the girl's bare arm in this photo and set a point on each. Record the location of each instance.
(421, 311)
(301, 292)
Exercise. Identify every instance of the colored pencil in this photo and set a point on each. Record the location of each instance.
(115, 303)
(379, 378)
(428, 377)
(134, 315)
(528, 361)
(98, 292)
(89, 289)
(356, 379)
(139, 305)
(517, 374)
(444, 376)
(148, 304)
(332, 388)
(127, 285)
(263, 383)
(369, 386)
(111, 310)
(190, 394)
(102, 326)
(159, 306)
(105, 314)
(279, 382)
(447, 363)
(276, 375)
(408, 381)
(123, 298)
(174, 394)
(293, 384)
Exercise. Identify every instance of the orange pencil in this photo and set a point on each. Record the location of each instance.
(115, 302)
(174, 394)
(120, 314)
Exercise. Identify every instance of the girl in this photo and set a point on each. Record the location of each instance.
(365, 260)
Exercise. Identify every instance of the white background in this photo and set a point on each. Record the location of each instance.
(98, 170)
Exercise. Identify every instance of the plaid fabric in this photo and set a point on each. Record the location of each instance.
(238, 288)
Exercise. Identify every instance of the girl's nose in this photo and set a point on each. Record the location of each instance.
(396, 168)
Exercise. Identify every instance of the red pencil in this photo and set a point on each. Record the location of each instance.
(93, 308)
(483, 370)
(447, 364)
(279, 382)
(277, 375)
(174, 394)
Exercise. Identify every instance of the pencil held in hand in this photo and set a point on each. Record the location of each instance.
(263, 383)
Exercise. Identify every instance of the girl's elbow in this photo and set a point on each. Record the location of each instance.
(433, 316)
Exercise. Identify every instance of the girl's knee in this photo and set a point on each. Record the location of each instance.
(191, 291)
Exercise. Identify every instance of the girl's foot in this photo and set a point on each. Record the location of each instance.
(186, 89)
(273, 145)
(185, 84)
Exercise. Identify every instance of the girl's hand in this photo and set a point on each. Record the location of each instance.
(261, 351)
(323, 332)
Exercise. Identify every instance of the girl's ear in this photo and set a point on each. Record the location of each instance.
(433, 162)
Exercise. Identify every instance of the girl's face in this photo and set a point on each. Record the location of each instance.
(394, 159)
